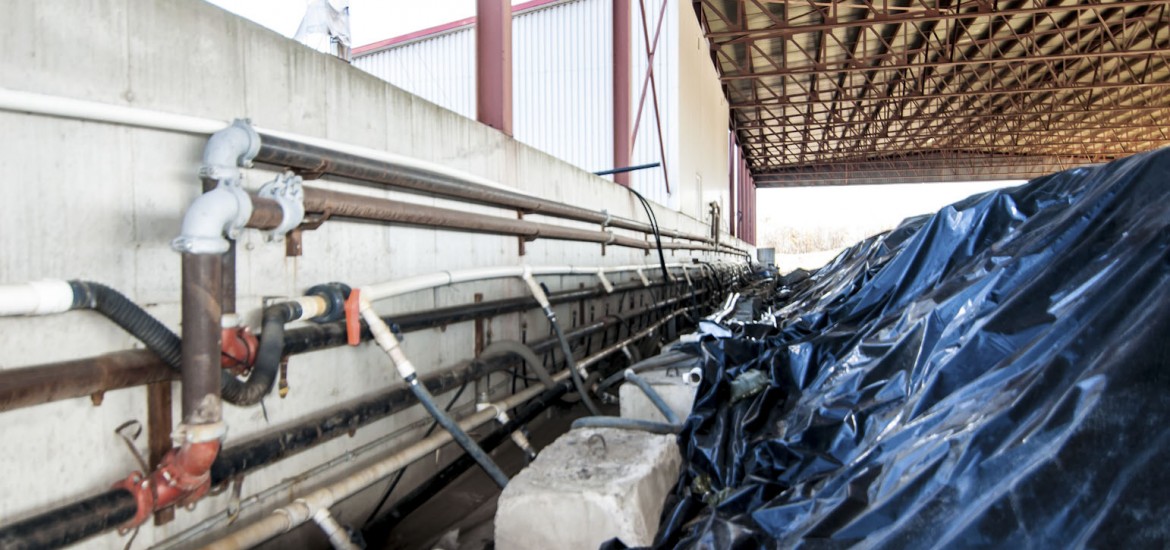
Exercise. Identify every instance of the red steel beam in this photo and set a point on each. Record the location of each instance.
(493, 64)
(622, 144)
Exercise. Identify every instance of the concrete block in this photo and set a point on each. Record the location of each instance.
(673, 388)
(588, 486)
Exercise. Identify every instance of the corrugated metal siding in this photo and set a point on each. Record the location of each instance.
(562, 59)
(651, 182)
(439, 68)
(561, 71)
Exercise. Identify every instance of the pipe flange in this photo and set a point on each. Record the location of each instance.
(287, 190)
(198, 433)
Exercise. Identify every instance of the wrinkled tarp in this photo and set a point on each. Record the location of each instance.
(996, 374)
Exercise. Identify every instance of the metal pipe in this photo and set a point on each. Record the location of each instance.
(34, 385)
(25, 387)
(625, 169)
(201, 315)
(70, 523)
(319, 156)
(77, 521)
(303, 156)
(285, 518)
(346, 205)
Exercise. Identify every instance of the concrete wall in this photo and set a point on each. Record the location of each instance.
(101, 202)
(703, 119)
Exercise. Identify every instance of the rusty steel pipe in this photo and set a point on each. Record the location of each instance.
(313, 161)
(29, 386)
(46, 383)
(266, 214)
(202, 310)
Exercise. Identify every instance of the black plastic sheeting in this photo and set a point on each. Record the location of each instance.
(996, 374)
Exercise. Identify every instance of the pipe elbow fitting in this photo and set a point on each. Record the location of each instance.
(229, 149)
(221, 212)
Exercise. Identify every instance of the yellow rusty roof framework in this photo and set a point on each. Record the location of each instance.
(857, 91)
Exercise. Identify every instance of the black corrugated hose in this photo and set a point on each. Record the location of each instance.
(168, 346)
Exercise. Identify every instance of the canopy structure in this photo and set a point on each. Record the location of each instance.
(889, 91)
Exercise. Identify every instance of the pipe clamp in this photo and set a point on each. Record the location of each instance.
(289, 193)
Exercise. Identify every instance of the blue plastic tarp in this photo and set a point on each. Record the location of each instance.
(994, 375)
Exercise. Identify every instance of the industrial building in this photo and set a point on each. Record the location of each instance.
(495, 284)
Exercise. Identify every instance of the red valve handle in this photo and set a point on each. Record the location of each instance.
(353, 320)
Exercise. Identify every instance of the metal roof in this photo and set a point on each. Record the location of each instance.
(876, 91)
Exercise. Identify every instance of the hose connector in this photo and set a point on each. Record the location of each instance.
(537, 292)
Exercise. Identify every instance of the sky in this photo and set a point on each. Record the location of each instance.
(820, 218)
(369, 20)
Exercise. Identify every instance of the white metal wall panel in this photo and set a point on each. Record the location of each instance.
(562, 82)
(562, 57)
(651, 183)
(440, 69)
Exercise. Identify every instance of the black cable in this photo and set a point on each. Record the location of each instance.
(402, 471)
(657, 233)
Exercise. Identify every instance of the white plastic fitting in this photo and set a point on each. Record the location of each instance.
(386, 340)
(338, 537)
(534, 286)
(608, 286)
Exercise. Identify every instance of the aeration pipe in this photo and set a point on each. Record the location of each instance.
(301, 510)
(74, 522)
(33, 385)
(323, 157)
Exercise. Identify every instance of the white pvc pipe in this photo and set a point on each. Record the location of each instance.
(381, 291)
(64, 107)
(35, 298)
(284, 519)
(338, 537)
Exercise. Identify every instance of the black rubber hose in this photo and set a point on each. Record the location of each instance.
(379, 530)
(663, 360)
(249, 392)
(133, 319)
(469, 445)
(571, 363)
(654, 397)
(158, 338)
(512, 347)
(627, 424)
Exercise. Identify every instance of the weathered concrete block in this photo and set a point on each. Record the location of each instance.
(589, 486)
(673, 388)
